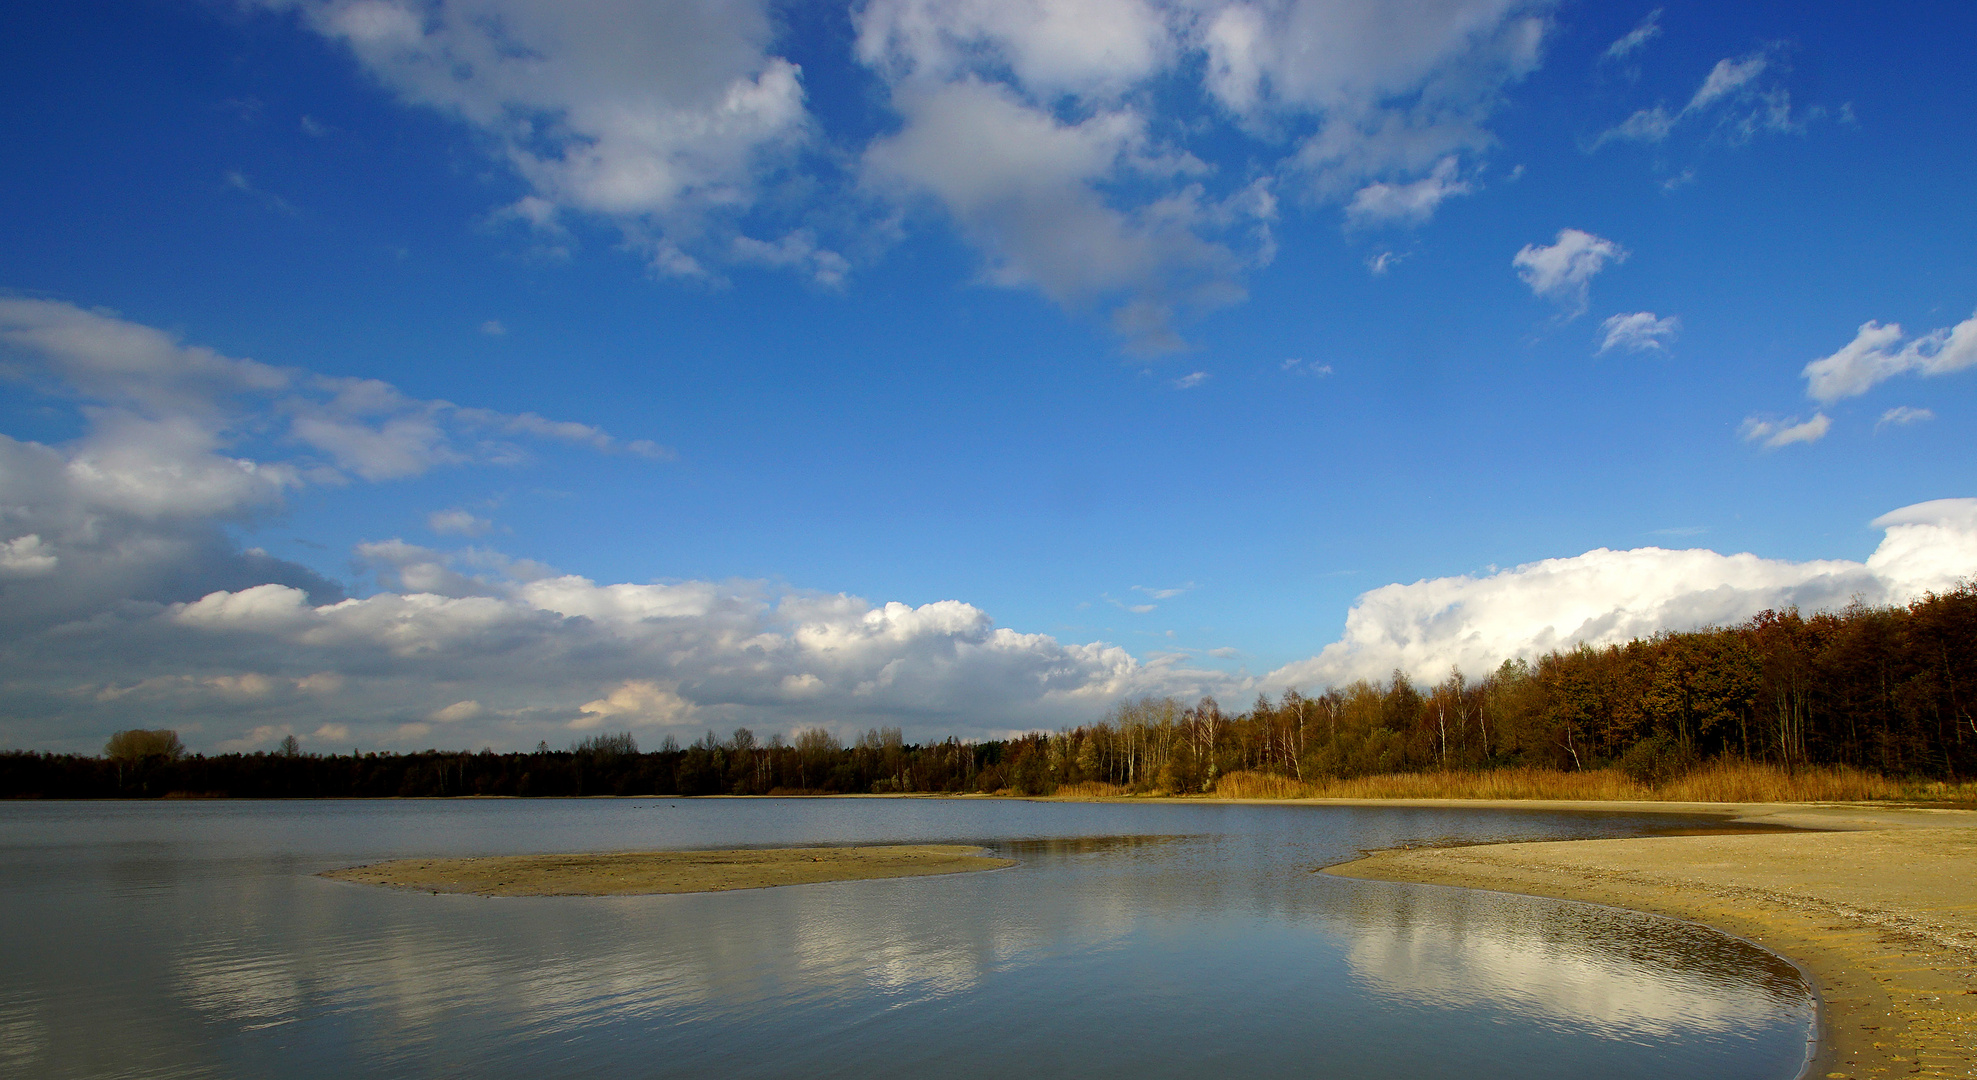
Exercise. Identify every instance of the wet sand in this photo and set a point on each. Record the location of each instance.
(640, 873)
(1881, 914)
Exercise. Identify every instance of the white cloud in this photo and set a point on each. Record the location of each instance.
(1378, 264)
(1606, 597)
(1410, 203)
(180, 442)
(474, 648)
(1642, 125)
(1902, 416)
(1772, 434)
(797, 249)
(1871, 358)
(1299, 366)
(1191, 380)
(1637, 332)
(1733, 85)
(457, 522)
(665, 116)
(27, 556)
(1025, 187)
(635, 702)
(1563, 270)
(1725, 78)
(1082, 48)
(160, 412)
(1034, 127)
(493, 328)
(1633, 40)
(1166, 593)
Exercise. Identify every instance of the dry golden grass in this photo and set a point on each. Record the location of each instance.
(1091, 789)
(1256, 785)
(1722, 781)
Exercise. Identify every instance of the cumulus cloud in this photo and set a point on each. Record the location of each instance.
(664, 116)
(127, 603)
(1563, 270)
(1772, 434)
(179, 442)
(1637, 332)
(1037, 128)
(635, 702)
(27, 556)
(1410, 203)
(1606, 597)
(1026, 187)
(1877, 354)
(1062, 138)
(508, 661)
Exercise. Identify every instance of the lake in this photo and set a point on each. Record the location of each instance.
(192, 939)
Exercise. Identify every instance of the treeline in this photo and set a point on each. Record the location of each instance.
(815, 762)
(1886, 689)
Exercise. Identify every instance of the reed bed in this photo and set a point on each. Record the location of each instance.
(1091, 789)
(1721, 781)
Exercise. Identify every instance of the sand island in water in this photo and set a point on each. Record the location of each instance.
(638, 873)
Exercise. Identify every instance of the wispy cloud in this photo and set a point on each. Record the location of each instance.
(457, 522)
(1643, 32)
(1730, 92)
(1637, 332)
(1902, 416)
(1379, 263)
(1772, 434)
(1137, 609)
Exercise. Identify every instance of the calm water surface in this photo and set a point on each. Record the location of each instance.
(192, 939)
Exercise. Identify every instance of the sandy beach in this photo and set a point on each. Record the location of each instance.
(637, 873)
(1880, 911)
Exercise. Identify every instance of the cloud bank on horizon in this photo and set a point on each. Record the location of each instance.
(128, 604)
(1606, 597)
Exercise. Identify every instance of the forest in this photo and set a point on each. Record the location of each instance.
(1881, 690)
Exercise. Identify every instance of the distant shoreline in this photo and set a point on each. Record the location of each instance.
(1880, 911)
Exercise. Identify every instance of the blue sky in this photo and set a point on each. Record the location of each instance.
(1131, 347)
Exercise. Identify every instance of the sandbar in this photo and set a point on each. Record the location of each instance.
(1881, 913)
(642, 873)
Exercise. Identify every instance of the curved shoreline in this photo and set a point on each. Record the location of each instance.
(650, 873)
(1879, 910)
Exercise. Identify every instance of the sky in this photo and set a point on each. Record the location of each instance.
(409, 373)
